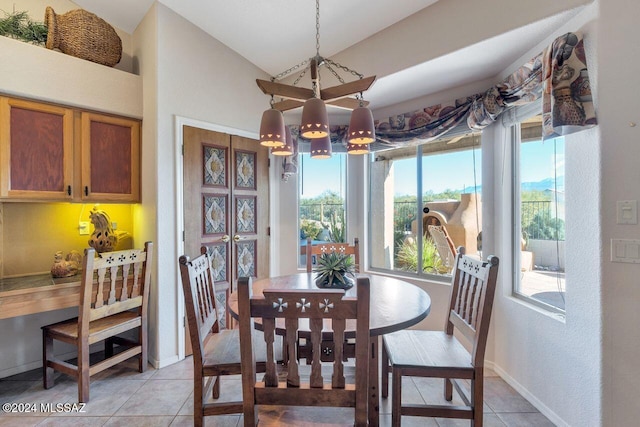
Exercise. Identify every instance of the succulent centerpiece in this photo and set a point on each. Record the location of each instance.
(333, 270)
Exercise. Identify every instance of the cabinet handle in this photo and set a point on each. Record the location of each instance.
(69, 190)
(86, 190)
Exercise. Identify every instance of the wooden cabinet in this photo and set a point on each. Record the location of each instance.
(36, 150)
(110, 148)
(50, 152)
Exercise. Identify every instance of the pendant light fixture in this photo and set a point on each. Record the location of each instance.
(290, 146)
(272, 128)
(315, 122)
(321, 148)
(361, 128)
(357, 148)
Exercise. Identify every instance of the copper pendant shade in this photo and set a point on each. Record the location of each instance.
(361, 128)
(321, 148)
(290, 146)
(315, 121)
(272, 129)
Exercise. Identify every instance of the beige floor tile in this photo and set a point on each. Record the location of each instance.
(73, 422)
(533, 419)
(107, 396)
(19, 421)
(182, 370)
(132, 421)
(213, 421)
(489, 420)
(158, 397)
(501, 397)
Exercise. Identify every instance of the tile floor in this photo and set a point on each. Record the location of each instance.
(121, 396)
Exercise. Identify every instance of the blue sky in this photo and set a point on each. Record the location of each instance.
(452, 171)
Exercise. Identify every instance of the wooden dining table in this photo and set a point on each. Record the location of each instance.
(395, 305)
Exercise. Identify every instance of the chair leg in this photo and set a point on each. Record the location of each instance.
(83, 372)
(448, 389)
(108, 347)
(47, 354)
(396, 399)
(198, 401)
(385, 372)
(477, 386)
(142, 339)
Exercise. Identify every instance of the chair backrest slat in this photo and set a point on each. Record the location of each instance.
(472, 290)
(318, 306)
(105, 289)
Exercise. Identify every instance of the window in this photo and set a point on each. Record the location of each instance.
(539, 197)
(322, 187)
(438, 182)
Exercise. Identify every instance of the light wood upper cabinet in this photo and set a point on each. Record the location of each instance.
(110, 148)
(51, 152)
(36, 150)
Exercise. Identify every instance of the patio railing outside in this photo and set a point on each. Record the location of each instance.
(322, 212)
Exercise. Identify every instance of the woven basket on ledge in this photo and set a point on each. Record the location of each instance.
(84, 35)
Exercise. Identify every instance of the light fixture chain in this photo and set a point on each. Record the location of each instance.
(302, 74)
(317, 28)
(343, 68)
(290, 70)
(334, 72)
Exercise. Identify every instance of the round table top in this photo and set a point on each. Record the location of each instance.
(395, 304)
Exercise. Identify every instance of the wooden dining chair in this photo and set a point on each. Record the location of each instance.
(420, 353)
(216, 351)
(113, 299)
(291, 388)
(312, 251)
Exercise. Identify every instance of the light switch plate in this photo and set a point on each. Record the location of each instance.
(627, 211)
(625, 250)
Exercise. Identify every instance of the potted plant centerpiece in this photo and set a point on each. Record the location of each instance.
(334, 269)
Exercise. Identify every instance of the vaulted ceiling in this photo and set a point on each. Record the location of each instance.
(429, 45)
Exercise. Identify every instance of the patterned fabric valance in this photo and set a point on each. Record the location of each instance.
(558, 74)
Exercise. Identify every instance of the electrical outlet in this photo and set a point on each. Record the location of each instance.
(114, 225)
(83, 228)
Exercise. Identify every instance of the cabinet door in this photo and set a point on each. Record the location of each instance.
(110, 158)
(36, 150)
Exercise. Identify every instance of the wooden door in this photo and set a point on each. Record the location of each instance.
(226, 205)
(36, 150)
(110, 158)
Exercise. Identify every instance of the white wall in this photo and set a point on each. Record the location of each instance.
(199, 78)
(145, 64)
(553, 361)
(619, 106)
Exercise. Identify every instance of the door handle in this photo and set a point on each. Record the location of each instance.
(236, 238)
(225, 238)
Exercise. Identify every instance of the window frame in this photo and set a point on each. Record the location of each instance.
(420, 274)
(515, 131)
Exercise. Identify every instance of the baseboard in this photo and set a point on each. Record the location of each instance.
(544, 409)
(159, 364)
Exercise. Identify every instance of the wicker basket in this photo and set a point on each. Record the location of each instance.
(84, 35)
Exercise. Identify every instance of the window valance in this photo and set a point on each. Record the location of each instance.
(559, 75)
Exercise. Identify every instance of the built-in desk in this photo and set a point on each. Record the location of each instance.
(37, 293)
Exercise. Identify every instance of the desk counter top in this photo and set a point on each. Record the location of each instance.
(37, 293)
